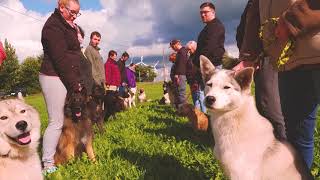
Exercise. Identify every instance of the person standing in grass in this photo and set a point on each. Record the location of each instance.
(112, 72)
(194, 78)
(122, 68)
(180, 72)
(211, 38)
(61, 71)
(93, 55)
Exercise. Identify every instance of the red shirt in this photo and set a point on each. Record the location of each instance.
(112, 73)
(3, 55)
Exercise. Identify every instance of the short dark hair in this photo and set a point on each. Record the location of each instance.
(125, 54)
(174, 41)
(95, 33)
(208, 4)
(112, 53)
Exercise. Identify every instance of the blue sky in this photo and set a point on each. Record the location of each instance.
(141, 27)
(45, 6)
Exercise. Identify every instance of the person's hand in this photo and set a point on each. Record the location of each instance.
(176, 79)
(124, 84)
(194, 87)
(244, 64)
(77, 88)
(282, 31)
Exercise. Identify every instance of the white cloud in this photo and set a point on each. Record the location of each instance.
(120, 22)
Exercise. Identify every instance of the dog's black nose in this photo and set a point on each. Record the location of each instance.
(22, 125)
(210, 100)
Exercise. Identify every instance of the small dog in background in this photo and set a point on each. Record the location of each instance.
(244, 141)
(165, 98)
(142, 97)
(77, 132)
(198, 119)
(19, 139)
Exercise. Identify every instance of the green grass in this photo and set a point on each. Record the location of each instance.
(147, 142)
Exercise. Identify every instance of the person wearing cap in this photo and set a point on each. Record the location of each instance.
(211, 38)
(194, 78)
(180, 72)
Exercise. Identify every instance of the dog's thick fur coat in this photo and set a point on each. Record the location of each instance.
(198, 119)
(19, 136)
(244, 141)
(77, 132)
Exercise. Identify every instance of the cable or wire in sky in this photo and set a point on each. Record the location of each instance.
(21, 13)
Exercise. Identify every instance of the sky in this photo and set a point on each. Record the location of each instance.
(140, 27)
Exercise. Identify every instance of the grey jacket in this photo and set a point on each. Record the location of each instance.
(96, 60)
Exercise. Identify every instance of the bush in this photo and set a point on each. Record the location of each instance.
(145, 73)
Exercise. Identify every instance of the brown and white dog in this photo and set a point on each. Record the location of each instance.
(198, 119)
(244, 141)
(19, 136)
(142, 97)
(77, 132)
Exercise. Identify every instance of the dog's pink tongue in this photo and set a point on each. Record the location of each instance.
(25, 139)
(78, 114)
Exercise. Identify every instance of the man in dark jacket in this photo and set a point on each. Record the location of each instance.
(122, 68)
(211, 38)
(180, 71)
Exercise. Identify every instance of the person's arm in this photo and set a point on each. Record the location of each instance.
(108, 73)
(302, 16)
(66, 62)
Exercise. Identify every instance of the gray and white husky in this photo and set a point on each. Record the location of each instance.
(244, 141)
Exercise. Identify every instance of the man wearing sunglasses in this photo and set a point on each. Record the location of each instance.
(211, 38)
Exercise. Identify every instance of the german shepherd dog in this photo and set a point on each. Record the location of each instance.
(113, 103)
(96, 106)
(244, 141)
(77, 132)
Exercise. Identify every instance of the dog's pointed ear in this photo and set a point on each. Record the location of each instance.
(244, 77)
(206, 68)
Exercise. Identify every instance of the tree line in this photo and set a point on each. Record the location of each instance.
(25, 75)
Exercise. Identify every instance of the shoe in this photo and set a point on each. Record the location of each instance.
(49, 170)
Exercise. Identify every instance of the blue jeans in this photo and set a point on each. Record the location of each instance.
(198, 100)
(299, 94)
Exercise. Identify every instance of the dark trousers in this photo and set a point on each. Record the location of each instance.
(300, 93)
(267, 97)
(181, 90)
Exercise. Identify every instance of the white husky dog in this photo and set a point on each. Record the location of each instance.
(19, 136)
(244, 141)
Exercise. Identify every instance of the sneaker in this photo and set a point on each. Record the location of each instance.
(49, 170)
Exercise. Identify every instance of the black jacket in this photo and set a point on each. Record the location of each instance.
(211, 43)
(62, 53)
(181, 62)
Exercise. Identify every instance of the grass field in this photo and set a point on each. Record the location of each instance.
(148, 142)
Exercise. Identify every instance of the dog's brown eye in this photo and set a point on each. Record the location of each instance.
(4, 117)
(226, 87)
(22, 111)
(209, 84)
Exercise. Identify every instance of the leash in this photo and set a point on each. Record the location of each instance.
(288, 49)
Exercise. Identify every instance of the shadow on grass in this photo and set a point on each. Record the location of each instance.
(160, 167)
(181, 132)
